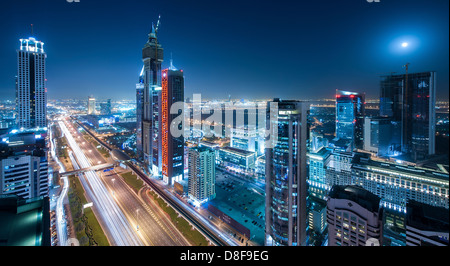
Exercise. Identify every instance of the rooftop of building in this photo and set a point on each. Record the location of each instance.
(322, 152)
(19, 143)
(237, 151)
(426, 217)
(364, 159)
(24, 222)
(356, 194)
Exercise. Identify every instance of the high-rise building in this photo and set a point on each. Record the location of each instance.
(139, 114)
(23, 164)
(31, 91)
(286, 173)
(350, 117)
(152, 56)
(202, 174)
(354, 217)
(172, 147)
(105, 108)
(91, 105)
(410, 100)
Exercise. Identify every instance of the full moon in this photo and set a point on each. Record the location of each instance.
(405, 44)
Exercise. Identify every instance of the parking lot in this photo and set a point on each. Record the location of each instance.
(241, 203)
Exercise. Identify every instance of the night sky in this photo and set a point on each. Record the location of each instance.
(253, 49)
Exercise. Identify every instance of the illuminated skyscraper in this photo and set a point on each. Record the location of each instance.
(172, 147)
(350, 117)
(139, 114)
(91, 105)
(31, 91)
(152, 56)
(286, 174)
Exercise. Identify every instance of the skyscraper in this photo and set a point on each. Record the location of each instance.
(91, 105)
(139, 114)
(350, 117)
(202, 174)
(413, 106)
(31, 91)
(286, 173)
(172, 147)
(152, 56)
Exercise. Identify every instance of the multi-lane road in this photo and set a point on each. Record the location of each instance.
(124, 216)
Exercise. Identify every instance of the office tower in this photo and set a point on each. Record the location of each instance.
(202, 174)
(286, 173)
(31, 91)
(350, 117)
(152, 56)
(382, 136)
(354, 217)
(426, 225)
(414, 108)
(91, 105)
(105, 108)
(139, 114)
(172, 147)
(23, 164)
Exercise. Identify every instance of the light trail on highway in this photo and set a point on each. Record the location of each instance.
(61, 224)
(118, 226)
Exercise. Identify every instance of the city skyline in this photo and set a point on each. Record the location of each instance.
(319, 123)
(103, 58)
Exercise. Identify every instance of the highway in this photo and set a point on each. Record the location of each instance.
(203, 225)
(61, 225)
(150, 223)
(119, 230)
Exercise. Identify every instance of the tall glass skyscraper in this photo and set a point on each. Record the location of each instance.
(152, 56)
(350, 117)
(31, 91)
(286, 173)
(412, 106)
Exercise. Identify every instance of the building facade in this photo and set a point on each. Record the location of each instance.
(286, 173)
(23, 164)
(202, 175)
(31, 91)
(152, 56)
(350, 117)
(172, 147)
(410, 100)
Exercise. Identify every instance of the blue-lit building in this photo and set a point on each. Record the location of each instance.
(238, 160)
(152, 56)
(286, 192)
(23, 164)
(410, 101)
(202, 175)
(350, 117)
(140, 115)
